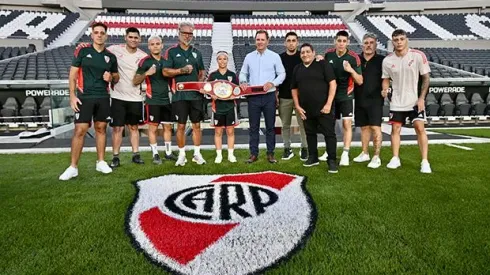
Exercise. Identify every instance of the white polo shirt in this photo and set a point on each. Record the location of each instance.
(127, 64)
(404, 72)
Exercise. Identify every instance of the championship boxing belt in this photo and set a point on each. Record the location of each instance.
(222, 89)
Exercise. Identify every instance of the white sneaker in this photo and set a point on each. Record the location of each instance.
(232, 158)
(69, 173)
(181, 160)
(323, 157)
(425, 167)
(362, 157)
(103, 167)
(394, 163)
(218, 159)
(344, 159)
(374, 163)
(198, 159)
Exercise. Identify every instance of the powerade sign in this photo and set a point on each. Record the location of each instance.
(61, 92)
(447, 90)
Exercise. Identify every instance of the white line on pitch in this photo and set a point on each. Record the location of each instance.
(459, 146)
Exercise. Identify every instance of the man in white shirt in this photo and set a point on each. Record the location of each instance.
(404, 67)
(126, 98)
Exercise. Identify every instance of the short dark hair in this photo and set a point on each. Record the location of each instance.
(262, 31)
(99, 24)
(132, 29)
(291, 34)
(398, 32)
(307, 45)
(342, 33)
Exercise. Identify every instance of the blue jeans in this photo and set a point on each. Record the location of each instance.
(258, 105)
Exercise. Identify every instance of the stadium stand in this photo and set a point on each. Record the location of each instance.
(35, 24)
(8, 52)
(476, 61)
(319, 30)
(431, 26)
(25, 63)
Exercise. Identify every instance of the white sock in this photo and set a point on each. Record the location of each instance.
(218, 152)
(182, 151)
(197, 150)
(230, 152)
(168, 147)
(154, 149)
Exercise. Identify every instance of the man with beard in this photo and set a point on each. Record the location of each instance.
(290, 58)
(185, 64)
(126, 98)
(158, 107)
(313, 89)
(369, 102)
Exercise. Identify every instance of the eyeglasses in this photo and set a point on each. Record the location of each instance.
(187, 33)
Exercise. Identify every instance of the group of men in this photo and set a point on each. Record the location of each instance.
(323, 89)
(105, 86)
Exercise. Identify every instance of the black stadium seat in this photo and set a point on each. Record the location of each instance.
(10, 109)
(243, 110)
(477, 105)
(44, 108)
(29, 108)
(447, 105)
(431, 105)
(462, 105)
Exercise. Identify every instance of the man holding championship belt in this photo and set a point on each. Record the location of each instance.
(262, 67)
(185, 64)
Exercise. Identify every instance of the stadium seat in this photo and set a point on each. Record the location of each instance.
(447, 105)
(462, 105)
(431, 105)
(29, 108)
(487, 112)
(477, 105)
(10, 109)
(243, 110)
(44, 109)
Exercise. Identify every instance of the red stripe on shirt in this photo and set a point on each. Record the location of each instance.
(353, 54)
(149, 91)
(424, 58)
(80, 80)
(350, 85)
(79, 48)
(140, 64)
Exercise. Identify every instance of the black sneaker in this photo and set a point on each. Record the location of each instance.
(304, 154)
(332, 166)
(115, 162)
(137, 159)
(157, 160)
(288, 154)
(171, 157)
(311, 162)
